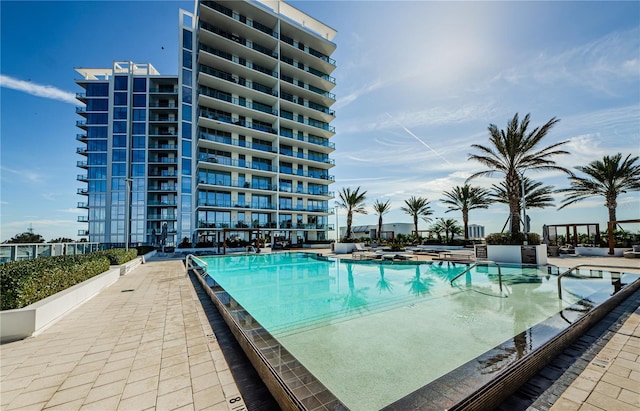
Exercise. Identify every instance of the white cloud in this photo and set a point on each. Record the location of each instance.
(28, 174)
(38, 89)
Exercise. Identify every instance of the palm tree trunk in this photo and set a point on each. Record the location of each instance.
(612, 204)
(513, 191)
(465, 221)
(347, 234)
(379, 226)
(415, 223)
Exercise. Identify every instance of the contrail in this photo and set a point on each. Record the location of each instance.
(418, 138)
(38, 89)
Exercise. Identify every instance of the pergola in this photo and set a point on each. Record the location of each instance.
(573, 228)
(610, 227)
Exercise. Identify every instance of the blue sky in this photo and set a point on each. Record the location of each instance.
(417, 83)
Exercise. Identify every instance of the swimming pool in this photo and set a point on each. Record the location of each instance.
(367, 335)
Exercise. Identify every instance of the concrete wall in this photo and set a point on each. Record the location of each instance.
(600, 251)
(33, 319)
(513, 254)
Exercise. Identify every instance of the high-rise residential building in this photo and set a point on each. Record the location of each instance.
(238, 140)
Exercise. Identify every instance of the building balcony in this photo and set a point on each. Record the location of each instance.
(253, 105)
(163, 90)
(163, 146)
(236, 121)
(237, 143)
(82, 164)
(82, 150)
(163, 173)
(307, 69)
(82, 177)
(167, 203)
(82, 97)
(82, 205)
(246, 185)
(163, 188)
(162, 119)
(242, 19)
(163, 160)
(226, 161)
(309, 87)
(308, 139)
(155, 104)
(83, 219)
(82, 124)
(83, 191)
(229, 204)
(81, 137)
(248, 84)
(83, 233)
(165, 217)
(307, 121)
(239, 40)
(301, 155)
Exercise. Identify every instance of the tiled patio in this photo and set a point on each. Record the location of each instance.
(146, 343)
(143, 343)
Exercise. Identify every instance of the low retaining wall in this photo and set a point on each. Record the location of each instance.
(600, 251)
(35, 318)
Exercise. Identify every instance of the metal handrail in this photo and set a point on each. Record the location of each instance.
(193, 257)
(584, 265)
(476, 264)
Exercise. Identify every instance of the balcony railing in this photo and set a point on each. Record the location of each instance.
(309, 121)
(308, 69)
(168, 90)
(82, 164)
(308, 50)
(82, 177)
(212, 115)
(163, 188)
(312, 140)
(161, 216)
(239, 80)
(83, 191)
(236, 142)
(241, 61)
(235, 162)
(82, 150)
(170, 203)
(238, 39)
(309, 87)
(239, 17)
(83, 219)
(164, 160)
(241, 184)
(302, 102)
(83, 233)
(82, 205)
(265, 108)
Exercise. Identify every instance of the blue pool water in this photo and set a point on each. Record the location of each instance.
(373, 333)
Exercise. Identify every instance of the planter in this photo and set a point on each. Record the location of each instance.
(32, 319)
(517, 254)
(600, 251)
(344, 248)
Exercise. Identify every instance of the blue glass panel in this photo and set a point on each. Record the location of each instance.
(119, 140)
(120, 82)
(139, 84)
(139, 100)
(98, 90)
(186, 166)
(120, 99)
(139, 128)
(186, 77)
(186, 59)
(119, 126)
(97, 104)
(187, 39)
(118, 169)
(186, 111)
(138, 141)
(120, 113)
(137, 170)
(139, 114)
(186, 95)
(186, 149)
(119, 155)
(186, 130)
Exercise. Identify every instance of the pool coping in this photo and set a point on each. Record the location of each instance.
(488, 396)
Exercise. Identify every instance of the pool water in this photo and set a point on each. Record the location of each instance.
(373, 333)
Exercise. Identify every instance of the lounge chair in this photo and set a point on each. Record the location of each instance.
(361, 248)
(633, 253)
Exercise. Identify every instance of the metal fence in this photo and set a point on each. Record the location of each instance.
(18, 252)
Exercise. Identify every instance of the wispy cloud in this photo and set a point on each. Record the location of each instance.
(38, 89)
(27, 174)
(602, 65)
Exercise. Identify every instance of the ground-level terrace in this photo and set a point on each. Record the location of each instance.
(153, 341)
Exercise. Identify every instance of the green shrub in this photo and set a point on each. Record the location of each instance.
(26, 282)
(119, 256)
(512, 238)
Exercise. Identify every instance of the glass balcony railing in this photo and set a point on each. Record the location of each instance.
(265, 108)
(82, 205)
(302, 102)
(237, 80)
(309, 87)
(240, 184)
(241, 61)
(235, 162)
(212, 115)
(241, 18)
(82, 164)
(170, 203)
(83, 191)
(168, 90)
(308, 69)
(313, 140)
(82, 150)
(161, 217)
(83, 219)
(308, 50)
(237, 143)
(238, 39)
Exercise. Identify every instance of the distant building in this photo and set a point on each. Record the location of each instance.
(476, 231)
(239, 138)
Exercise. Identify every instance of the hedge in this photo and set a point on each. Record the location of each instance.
(512, 239)
(28, 281)
(118, 256)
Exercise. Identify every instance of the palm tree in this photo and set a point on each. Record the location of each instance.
(607, 178)
(448, 226)
(464, 199)
(417, 207)
(514, 151)
(353, 202)
(381, 208)
(535, 195)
